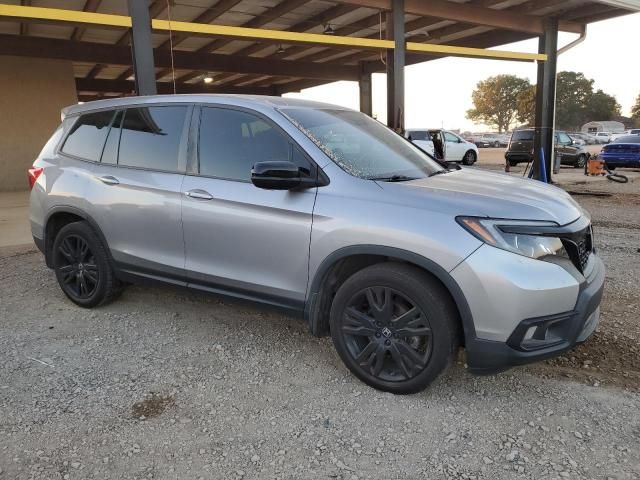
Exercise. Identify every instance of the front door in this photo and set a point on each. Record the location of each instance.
(240, 239)
(455, 149)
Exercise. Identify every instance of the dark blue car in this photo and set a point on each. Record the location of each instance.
(622, 152)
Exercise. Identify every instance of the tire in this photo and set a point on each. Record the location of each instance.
(82, 266)
(469, 158)
(513, 163)
(496, 145)
(580, 161)
(371, 343)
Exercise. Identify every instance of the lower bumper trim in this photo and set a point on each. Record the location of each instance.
(485, 357)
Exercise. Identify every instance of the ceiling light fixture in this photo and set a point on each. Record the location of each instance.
(208, 78)
(329, 30)
(280, 50)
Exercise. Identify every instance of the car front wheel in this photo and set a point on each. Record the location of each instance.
(394, 327)
(469, 158)
(580, 161)
(82, 266)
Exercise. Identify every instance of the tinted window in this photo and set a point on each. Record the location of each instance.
(231, 142)
(150, 137)
(522, 136)
(418, 135)
(87, 136)
(110, 152)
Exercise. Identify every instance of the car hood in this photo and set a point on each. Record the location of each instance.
(474, 192)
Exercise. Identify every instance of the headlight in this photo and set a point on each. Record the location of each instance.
(504, 234)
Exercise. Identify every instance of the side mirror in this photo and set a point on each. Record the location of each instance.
(278, 175)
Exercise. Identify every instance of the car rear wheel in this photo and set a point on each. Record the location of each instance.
(82, 266)
(394, 327)
(469, 158)
(513, 163)
(580, 161)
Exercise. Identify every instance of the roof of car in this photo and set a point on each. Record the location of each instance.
(239, 100)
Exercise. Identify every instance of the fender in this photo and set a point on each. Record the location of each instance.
(80, 213)
(311, 314)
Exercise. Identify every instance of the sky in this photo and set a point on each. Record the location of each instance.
(438, 93)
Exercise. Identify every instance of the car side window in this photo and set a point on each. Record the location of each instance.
(150, 137)
(449, 137)
(564, 139)
(232, 141)
(87, 135)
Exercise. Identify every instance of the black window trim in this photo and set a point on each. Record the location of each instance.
(182, 150)
(193, 167)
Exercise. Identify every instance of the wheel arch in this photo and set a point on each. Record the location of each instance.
(58, 217)
(342, 263)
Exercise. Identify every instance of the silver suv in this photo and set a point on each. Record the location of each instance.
(325, 213)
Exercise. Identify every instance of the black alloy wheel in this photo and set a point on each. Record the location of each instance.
(387, 334)
(82, 266)
(394, 326)
(77, 267)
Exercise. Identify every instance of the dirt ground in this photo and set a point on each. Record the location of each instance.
(167, 384)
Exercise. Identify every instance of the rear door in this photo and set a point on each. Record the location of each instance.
(240, 239)
(136, 193)
(565, 147)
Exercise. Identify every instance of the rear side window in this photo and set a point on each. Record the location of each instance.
(418, 135)
(231, 142)
(150, 137)
(87, 135)
(522, 136)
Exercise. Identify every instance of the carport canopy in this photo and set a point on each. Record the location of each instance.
(279, 46)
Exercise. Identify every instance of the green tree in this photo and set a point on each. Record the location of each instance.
(526, 106)
(495, 100)
(602, 106)
(635, 111)
(576, 102)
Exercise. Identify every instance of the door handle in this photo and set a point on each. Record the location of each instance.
(199, 194)
(109, 180)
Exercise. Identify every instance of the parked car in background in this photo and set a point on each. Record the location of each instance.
(398, 258)
(520, 149)
(494, 140)
(622, 152)
(586, 137)
(602, 137)
(454, 147)
(632, 131)
(576, 139)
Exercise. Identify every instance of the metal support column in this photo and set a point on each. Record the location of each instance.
(366, 97)
(142, 48)
(395, 67)
(546, 101)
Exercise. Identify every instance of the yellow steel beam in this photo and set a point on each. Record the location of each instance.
(473, 52)
(120, 21)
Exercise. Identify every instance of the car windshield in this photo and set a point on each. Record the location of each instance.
(361, 146)
(522, 136)
(628, 139)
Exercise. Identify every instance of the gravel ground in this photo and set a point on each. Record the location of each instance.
(169, 384)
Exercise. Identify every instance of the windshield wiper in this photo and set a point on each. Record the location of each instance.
(394, 178)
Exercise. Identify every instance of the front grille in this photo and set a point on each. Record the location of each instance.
(579, 246)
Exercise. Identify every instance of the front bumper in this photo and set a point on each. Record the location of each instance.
(493, 347)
